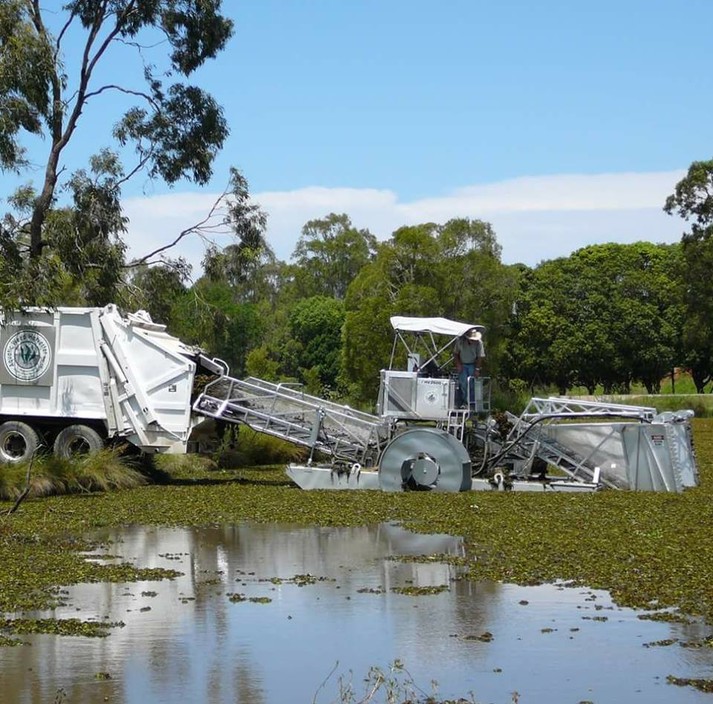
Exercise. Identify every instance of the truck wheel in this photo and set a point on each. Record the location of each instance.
(18, 442)
(77, 440)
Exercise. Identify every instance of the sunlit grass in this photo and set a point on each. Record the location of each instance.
(249, 448)
(106, 470)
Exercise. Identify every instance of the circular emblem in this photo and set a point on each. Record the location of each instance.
(27, 355)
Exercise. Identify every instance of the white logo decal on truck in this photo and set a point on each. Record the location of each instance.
(27, 355)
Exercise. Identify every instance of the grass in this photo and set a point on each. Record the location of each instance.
(674, 396)
(47, 475)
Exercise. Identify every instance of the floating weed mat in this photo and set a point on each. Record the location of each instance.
(7, 642)
(702, 685)
(237, 598)
(33, 562)
(58, 627)
(420, 591)
(651, 551)
(106, 470)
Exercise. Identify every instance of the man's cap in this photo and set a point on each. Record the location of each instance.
(473, 334)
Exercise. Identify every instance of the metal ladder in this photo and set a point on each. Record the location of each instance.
(285, 411)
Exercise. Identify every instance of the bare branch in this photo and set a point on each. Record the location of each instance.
(199, 228)
(121, 89)
(62, 32)
(142, 162)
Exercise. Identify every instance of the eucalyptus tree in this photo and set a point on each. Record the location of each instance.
(248, 265)
(477, 287)
(451, 270)
(693, 201)
(156, 289)
(228, 309)
(208, 315)
(541, 348)
(315, 326)
(76, 70)
(329, 253)
(401, 280)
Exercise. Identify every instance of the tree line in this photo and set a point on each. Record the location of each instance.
(606, 316)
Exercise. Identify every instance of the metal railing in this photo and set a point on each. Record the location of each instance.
(286, 412)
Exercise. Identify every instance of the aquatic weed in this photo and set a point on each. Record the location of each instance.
(644, 548)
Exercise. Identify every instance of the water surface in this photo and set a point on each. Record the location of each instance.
(267, 613)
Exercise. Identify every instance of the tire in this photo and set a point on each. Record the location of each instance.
(77, 440)
(18, 442)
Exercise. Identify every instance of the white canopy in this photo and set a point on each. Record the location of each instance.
(439, 326)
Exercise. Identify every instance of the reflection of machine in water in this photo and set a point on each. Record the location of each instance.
(426, 437)
(176, 627)
(186, 641)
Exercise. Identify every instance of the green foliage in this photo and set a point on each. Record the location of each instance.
(609, 314)
(693, 201)
(208, 315)
(693, 195)
(260, 365)
(26, 63)
(429, 270)
(249, 266)
(103, 471)
(315, 326)
(252, 449)
(62, 253)
(156, 290)
(329, 254)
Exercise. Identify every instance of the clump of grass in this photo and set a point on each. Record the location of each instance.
(391, 685)
(106, 470)
(248, 448)
(179, 465)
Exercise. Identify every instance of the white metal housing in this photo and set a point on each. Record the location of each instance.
(125, 374)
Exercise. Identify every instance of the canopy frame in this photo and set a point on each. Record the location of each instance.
(423, 337)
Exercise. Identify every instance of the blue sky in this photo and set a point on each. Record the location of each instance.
(425, 97)
(562, 123)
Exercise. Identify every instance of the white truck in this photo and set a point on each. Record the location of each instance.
(73, 378)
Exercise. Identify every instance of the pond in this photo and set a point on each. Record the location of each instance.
(275, 613)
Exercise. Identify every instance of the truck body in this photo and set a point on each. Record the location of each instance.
(73, 377)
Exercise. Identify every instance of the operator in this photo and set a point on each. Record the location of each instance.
(468, 356)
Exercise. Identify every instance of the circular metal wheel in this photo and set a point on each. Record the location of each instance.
(18, 442)
(77, 440)
(424, 459)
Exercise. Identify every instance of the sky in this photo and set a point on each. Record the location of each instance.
(563, 124)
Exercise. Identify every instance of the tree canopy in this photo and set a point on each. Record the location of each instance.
(606, 316)
(693, 201)
(51, 74)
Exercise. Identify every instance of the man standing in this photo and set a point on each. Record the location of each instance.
(468, 355)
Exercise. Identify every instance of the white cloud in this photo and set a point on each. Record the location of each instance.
(535, 218)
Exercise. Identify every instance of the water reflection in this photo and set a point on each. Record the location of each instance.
(323, 596)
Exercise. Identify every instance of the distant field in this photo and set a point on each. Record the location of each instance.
(700, 404)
